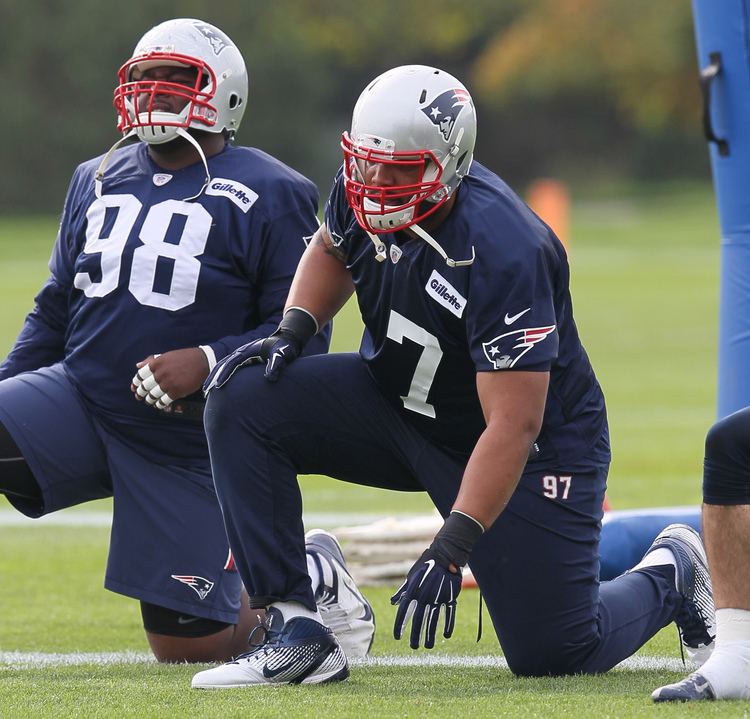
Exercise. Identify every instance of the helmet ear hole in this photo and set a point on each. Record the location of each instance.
(234, 101)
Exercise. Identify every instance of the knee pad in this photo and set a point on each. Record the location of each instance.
(160, 620)
(726, 467)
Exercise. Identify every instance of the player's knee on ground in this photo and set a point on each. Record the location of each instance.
(178, 637)
(160, 620)
(726, 467)
(550, 653)
(16, 479)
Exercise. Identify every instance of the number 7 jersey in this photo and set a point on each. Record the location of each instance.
(430, 328)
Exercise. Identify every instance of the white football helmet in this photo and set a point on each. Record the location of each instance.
(215, 103)
(411, 117)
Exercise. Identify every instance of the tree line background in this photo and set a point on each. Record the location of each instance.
(591, 92)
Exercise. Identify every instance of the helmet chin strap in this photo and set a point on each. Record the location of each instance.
(183, 133)
(381, 254)
(99, 174)
(432, 242)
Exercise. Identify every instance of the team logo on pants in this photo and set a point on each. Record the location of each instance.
(200, 585)
(505, 350)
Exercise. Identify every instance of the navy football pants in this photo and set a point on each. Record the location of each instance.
(537, 566)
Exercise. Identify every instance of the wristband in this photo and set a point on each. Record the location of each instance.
(456, 538)
(297, 325)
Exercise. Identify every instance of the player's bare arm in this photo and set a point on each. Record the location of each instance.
(321, 286)
(322, 283)
(513, 407)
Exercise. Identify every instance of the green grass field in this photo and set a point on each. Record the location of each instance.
(645, 288)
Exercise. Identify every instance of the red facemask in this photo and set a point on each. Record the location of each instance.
(381, 209)
(133, 112)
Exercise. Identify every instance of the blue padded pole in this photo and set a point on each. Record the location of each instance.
(723, 41)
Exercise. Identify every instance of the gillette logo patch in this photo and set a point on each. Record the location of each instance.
(444, 293)
(240, 194)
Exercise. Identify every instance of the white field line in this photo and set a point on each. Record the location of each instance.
(67, 518)
(39, 660)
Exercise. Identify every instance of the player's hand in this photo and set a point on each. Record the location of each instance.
(433, 583)
(276, 351)
(430, 587)
(161, 379)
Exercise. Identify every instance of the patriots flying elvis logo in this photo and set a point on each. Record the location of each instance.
(218, 41)
(200, 585)
(444, 110)
(505, 350)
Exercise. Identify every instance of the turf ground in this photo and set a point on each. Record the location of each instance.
(645, 279)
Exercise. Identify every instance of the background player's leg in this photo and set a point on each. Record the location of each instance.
(726, 509)
(726, 528)
(323, 416)
(727, 532)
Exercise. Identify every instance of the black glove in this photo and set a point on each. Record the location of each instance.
(277, 351)
(431, 585)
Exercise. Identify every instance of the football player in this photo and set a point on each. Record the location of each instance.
(471, 384)
(173, 251)
(726, 528)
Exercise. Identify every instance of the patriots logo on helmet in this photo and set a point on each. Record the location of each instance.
(505, 350)
(218, 41)
(200, 585)
(444, 110)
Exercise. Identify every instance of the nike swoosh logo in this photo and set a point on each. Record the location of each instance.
(700, 683)
(430, 566)
(510, 319)
(270, 673)
(187, 620)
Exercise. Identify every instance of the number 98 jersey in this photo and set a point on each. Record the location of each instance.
(142, 270)
(429, 328)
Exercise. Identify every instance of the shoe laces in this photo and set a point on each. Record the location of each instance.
(693, 625)
(268, 635)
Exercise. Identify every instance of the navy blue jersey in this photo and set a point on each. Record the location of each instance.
(143, 271)
(430, 328)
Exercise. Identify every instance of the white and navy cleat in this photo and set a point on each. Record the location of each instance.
(692, 688)
(696, 619)
(300, 651)
(342, 606)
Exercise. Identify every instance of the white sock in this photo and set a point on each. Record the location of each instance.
(312, 570)
(658, 558)
(290, 610)
(728, 667)
(732, 625)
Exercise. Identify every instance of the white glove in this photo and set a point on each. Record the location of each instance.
(148, 388)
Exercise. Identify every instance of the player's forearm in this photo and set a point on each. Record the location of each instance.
(322, 283)
(513, 405)
(493, 470)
